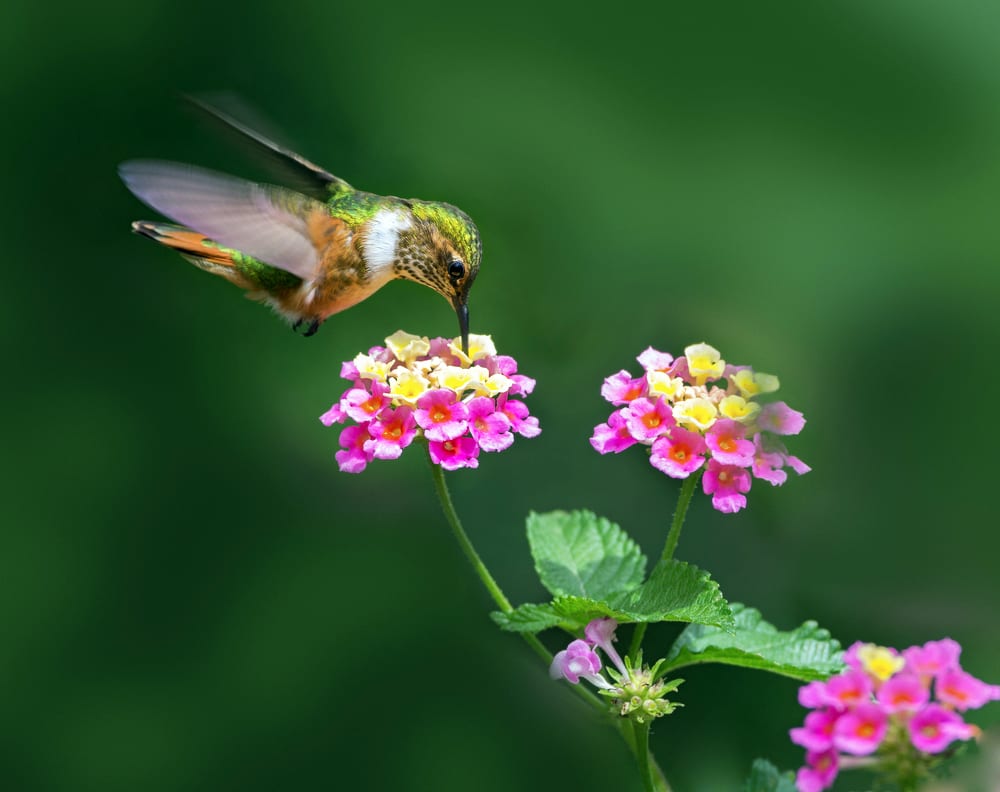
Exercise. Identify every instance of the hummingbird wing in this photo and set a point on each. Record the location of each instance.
(304, 175)
(268, 223)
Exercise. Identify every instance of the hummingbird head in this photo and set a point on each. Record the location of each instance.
(442, 250)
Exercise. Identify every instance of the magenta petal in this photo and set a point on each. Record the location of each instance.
(817, 733)
(621, 388)
(334, 415)
(391, 432)
(647, 420)
(726, 440)
(934, 728)
(963, 691)
(654, 360)
(903, 692)
(726, 484)
(522, 423)
(489, 428)
(813, 695)
(454, 454)
(354, 458)
(860, 731)
(781, 419)
(613, 436)
(678, 454)
(441, 415)
(933, 657)
(576, 660)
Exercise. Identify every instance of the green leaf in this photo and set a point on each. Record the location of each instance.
(806, 653)
(676, 591)
(765, 777)
(580, 554)
(527, 618)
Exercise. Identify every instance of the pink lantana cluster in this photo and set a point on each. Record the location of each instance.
(418, 387)
(903, 707)
(698, 411)
(637, 693)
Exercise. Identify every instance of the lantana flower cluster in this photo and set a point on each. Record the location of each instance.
(900, 709)
(636, 692)
(461, 403)
(698, 411)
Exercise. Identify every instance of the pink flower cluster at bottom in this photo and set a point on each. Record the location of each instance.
(887, 701)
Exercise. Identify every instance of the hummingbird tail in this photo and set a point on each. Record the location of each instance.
(196, 248)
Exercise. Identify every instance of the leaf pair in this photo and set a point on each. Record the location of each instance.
(593, 569)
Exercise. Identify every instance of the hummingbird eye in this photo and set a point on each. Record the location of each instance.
(456, 270)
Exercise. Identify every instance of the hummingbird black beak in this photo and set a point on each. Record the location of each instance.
(462, 309)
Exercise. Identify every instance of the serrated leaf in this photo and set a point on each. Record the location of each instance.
(676, 591)
(765, 777)
(805, 653)
(579, 554)
(527, 618)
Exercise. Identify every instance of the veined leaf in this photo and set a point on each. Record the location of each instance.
(527, 618)
(806, 653)
(579, 554)
(676, 591)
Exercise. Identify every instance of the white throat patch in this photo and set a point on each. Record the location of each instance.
(383, 236)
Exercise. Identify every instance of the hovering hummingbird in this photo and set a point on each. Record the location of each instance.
(311, 253)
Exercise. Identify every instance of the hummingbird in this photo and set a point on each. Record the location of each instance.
(311, 252)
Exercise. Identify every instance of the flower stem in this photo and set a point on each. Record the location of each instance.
(463, 539)
(642, 754)
(673, 535)
(683, 501)
(653, 777)
(441, 487)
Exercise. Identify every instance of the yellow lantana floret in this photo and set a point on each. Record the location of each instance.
(370, 368)
(480, 346)
(426, 367)
(662, 384)
(753, 383)
(406, 385)
(460, 379)
(407, 346)
(697, 413)
(496, 384)
(878, 661)
(738, 408)
(704, 362)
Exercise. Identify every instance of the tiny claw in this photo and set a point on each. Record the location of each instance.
(313, 327)
(297, 325)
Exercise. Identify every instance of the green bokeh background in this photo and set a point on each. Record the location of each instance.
(192, 597)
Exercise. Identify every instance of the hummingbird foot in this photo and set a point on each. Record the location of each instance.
(310, 328)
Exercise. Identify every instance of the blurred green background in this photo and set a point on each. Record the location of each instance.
(193, 597)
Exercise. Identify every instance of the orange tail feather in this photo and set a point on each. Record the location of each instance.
(196, 248)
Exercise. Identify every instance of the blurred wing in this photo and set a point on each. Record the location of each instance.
(265, 222)
(302, 174)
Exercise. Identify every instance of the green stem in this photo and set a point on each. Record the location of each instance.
(638, 743)
(673, 536)
(441, 487)
(642, 754)
(463, 539)
(683, 501)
